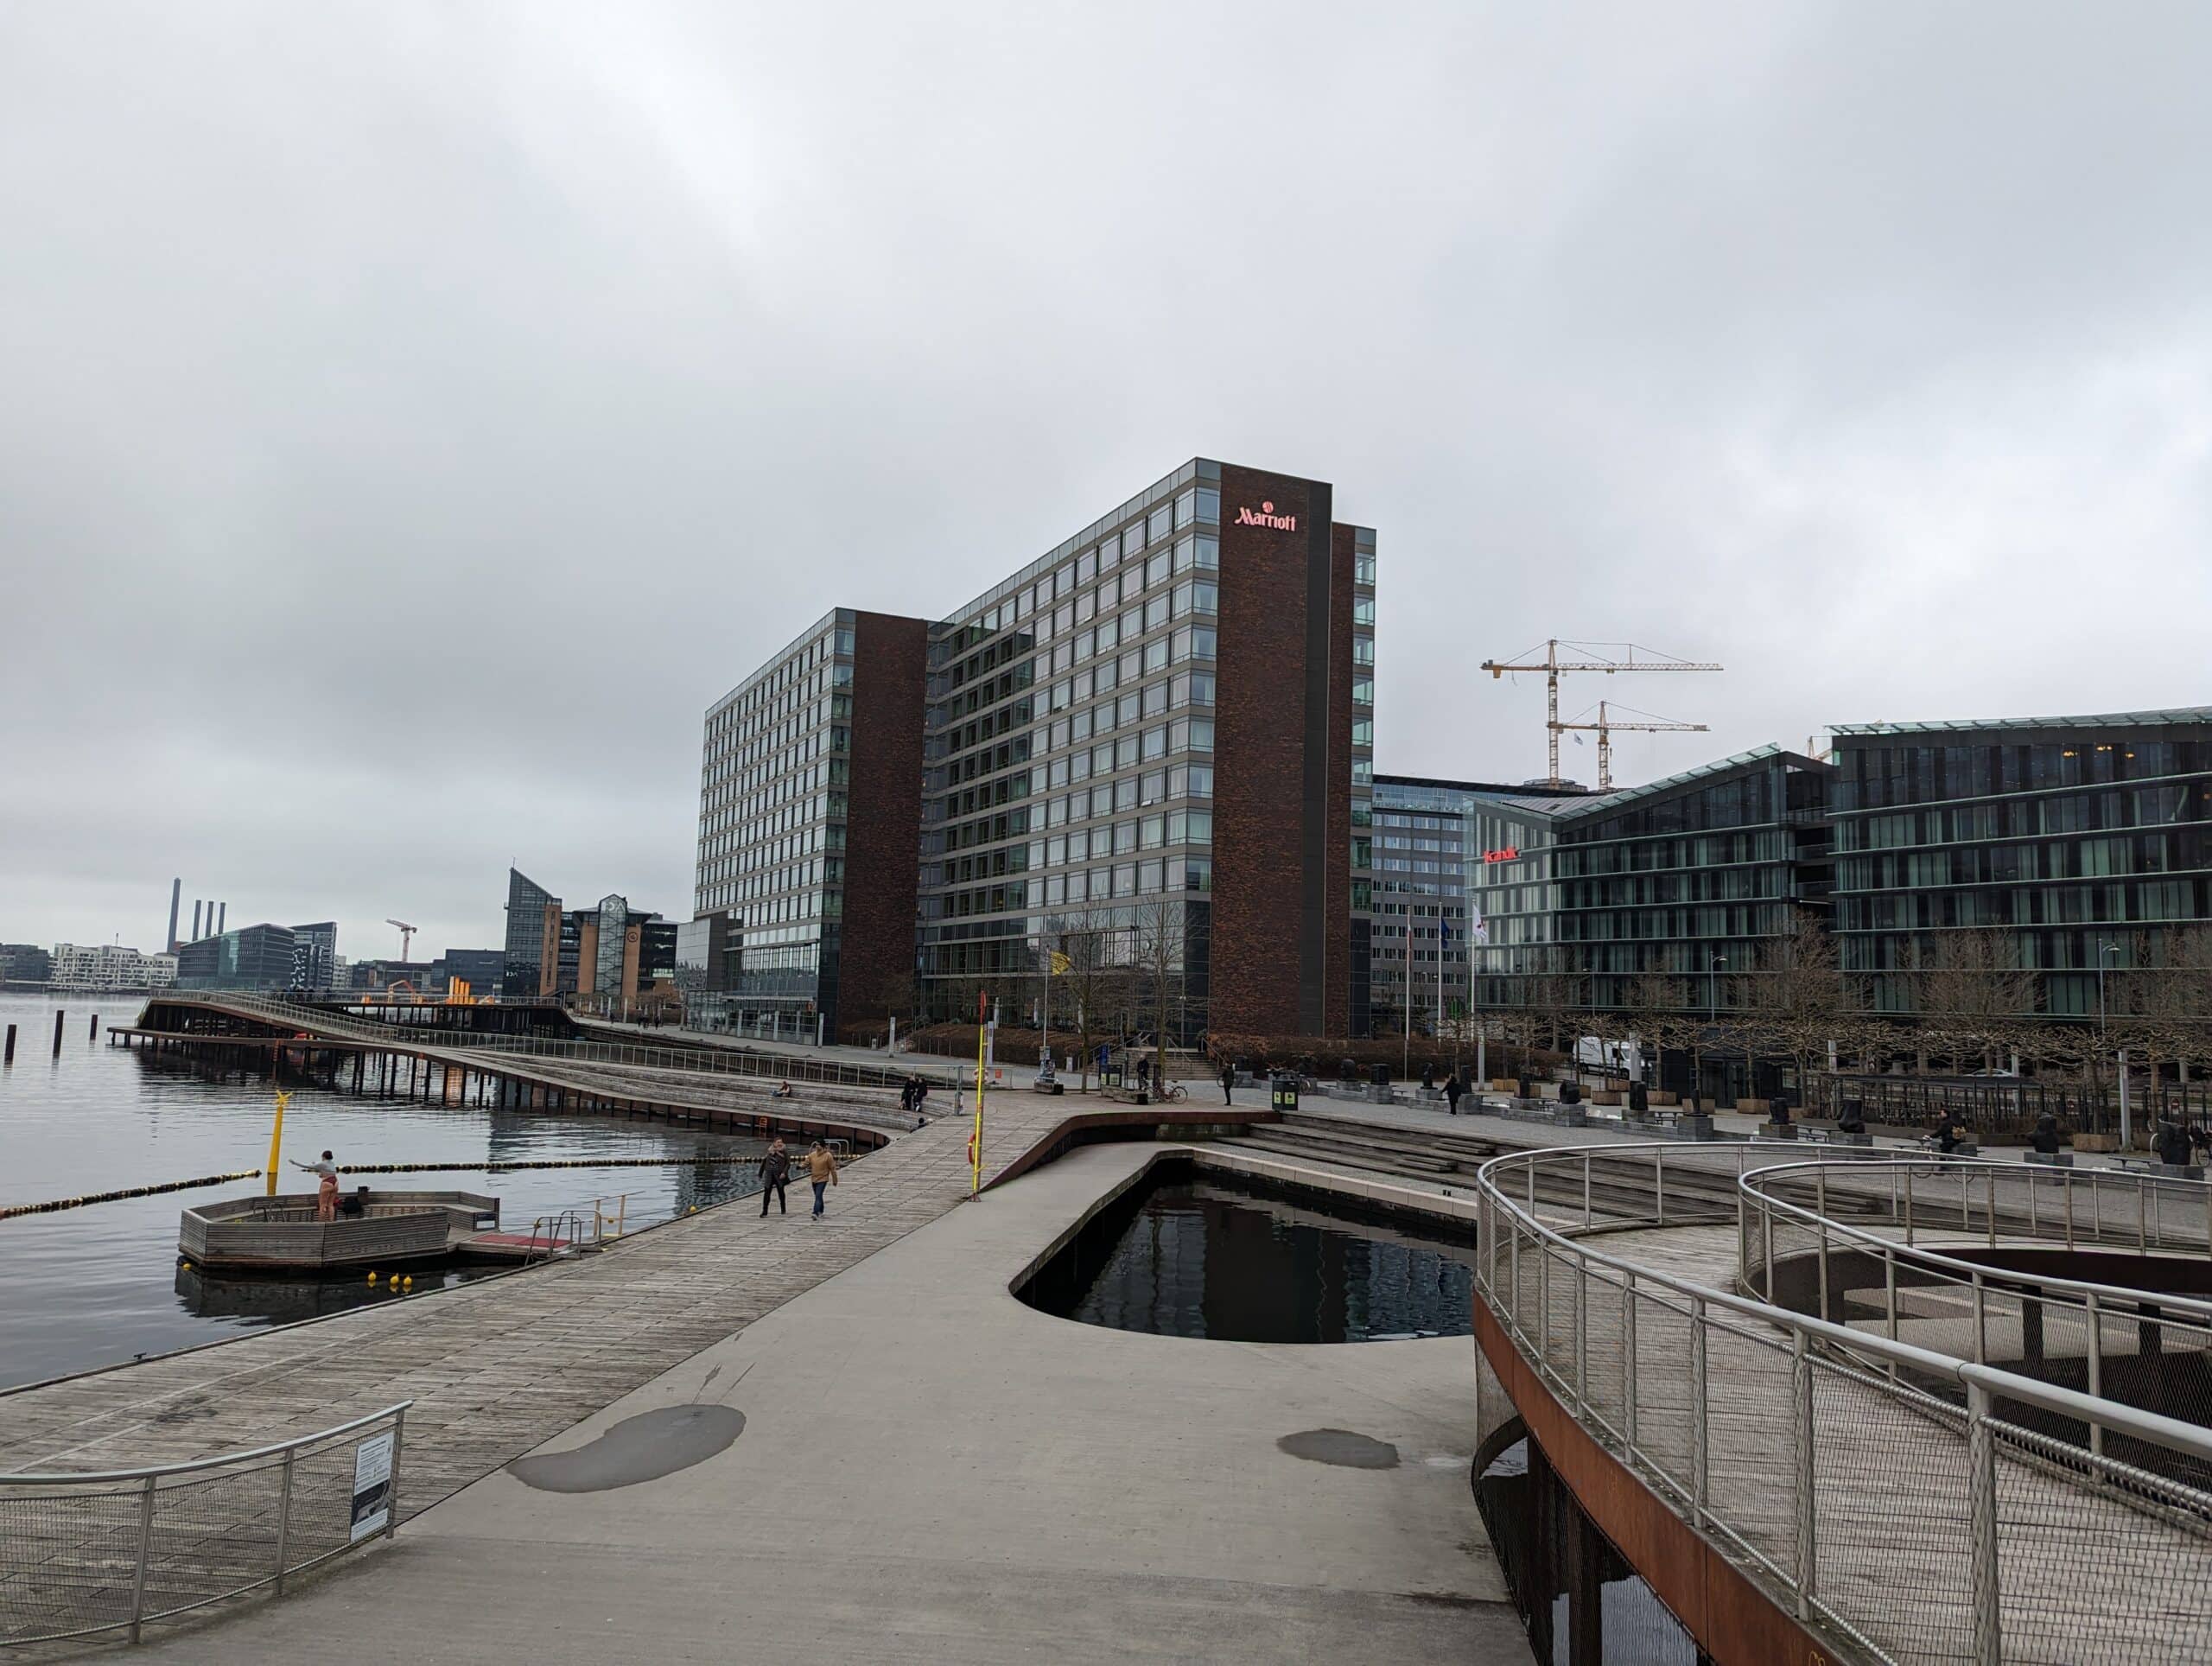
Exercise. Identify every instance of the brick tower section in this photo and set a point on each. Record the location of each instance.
(1281, 918)
(883, 831)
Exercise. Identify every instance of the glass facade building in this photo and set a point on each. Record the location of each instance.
(531, 955)
(2085, 840)
(1063, 784)
(1688, 880)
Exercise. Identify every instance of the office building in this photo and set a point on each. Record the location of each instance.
(1417, 849)
(314, 956)
(1145, 747)
(709, 960)
(530, 965)
(810, 804)
(24, 963)
(251, 957)
(108, 966)
(2086, 842)
(481, 969)
(1669, 895)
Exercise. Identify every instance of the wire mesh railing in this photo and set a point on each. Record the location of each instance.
(83, 1555)
(1870, 1484)
(1915, 1250)
(693, 1059)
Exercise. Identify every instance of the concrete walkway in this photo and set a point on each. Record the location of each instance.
(928, 1471)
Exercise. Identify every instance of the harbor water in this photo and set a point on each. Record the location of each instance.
(100, 1285)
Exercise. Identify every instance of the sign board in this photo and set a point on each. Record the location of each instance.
(371, 1487)
(1509, 852)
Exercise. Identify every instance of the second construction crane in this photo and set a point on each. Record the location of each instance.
(1551, 664)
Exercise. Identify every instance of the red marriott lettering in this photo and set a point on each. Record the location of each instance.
(1266, 516)
(1509, 853)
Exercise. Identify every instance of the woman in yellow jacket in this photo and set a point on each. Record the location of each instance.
(822, 1172)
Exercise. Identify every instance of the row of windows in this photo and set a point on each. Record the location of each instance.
(1648, 855)
(2139, 900)
(1871, 774)
(1999, 864)
(2024, 817)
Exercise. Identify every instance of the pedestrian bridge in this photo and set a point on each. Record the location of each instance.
(1865, 1409)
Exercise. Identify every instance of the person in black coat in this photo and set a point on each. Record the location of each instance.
(1453, 1088)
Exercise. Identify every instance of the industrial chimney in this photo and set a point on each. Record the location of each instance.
(176, 900)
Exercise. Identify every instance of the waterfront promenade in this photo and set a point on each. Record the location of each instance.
(931, 1471)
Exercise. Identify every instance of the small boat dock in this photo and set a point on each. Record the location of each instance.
(373, 1228)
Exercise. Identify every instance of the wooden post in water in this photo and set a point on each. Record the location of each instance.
(9, 1056)
(93, 1035)
(58, 1016)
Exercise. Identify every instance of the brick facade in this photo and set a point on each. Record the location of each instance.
(875, 961)
(1280, 944)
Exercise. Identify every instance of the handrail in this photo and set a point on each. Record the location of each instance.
(2192, 1438)
(1805, 1441)
(55, 1478)
(2171, 1305)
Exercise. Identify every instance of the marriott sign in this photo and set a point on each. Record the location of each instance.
(1266, 516)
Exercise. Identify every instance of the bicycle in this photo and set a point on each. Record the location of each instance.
(1173, 1094)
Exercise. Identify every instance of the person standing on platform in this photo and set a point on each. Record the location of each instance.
(775, 1174)
(326, 1194)
(821, 1173)
(1228, 1081)
(1453, 1087)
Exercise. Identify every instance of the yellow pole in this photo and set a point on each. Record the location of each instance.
(975, 1140)
(276, 1141)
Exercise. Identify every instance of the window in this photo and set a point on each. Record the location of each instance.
(1152, 832)
(1363, 691)
(1201, 781)
(1362, 651)
(1210, 503)
(1363, 567)
(1155, 699)
(1202, 734)
(1161, 521)
(1363, 732)
(1155, 570)
(1206, 598)
(1155, 654)
(1202, 641)
(1155, 612)
(1148, 876)
(1197, 874)
(1155, 744)
(1363, 611)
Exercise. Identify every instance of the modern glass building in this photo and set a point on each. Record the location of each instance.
(251, 957)
(1417, 858)
(1146, 744)
(2085, 841)
(531, 965)
(810, 786)
(1145, 750)
(1683, 884)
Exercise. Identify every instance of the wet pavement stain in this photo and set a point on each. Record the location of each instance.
(641, 1448)
(1341, 1447)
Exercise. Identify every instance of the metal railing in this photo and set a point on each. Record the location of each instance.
(699, 1059)
(2145, 1347)
(113, 1549)
(1906, 1524)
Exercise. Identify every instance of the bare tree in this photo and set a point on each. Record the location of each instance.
(1972, 991)
(1797, 998)
(1157, 961)
(1092, 987)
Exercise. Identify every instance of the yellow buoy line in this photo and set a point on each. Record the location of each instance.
(47, 1208)
(52, 1205)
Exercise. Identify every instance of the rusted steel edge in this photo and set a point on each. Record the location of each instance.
(1066, 1132)
(1733, 1618)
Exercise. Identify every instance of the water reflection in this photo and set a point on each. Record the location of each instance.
(94, 1285)
(1197, 1254)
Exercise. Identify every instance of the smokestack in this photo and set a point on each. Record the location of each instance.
(220, 918)
(176, 900)
(195, 919)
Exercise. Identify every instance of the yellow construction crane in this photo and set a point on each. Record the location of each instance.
(1551, 664)
(1606, 724)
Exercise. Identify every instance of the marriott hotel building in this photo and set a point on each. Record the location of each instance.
(1149, 744)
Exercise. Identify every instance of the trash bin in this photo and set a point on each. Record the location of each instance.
(1569, 1094)
(1379, 1075)
(1284, 1093)
(1639, 1099)
(1110, 1077)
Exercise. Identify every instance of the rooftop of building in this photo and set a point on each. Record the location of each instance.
(1972, 725)
(1563, 807)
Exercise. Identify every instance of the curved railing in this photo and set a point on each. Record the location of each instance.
(1906, 1524)
(109, 1550)
(1852, 1243)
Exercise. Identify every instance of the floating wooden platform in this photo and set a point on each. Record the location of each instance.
(282, 1234)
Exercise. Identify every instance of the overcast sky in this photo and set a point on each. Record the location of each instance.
(412, 416)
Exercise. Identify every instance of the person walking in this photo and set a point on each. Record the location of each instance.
(821, 1173)
(325, 1195)
(1228, 1081)
(1453, 1087)
(775, 1174)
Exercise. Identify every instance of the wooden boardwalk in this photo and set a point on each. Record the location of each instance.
(2088, 1575)
(495, 1368)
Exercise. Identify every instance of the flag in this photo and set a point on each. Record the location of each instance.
(1477, 927)
(1060, 963)
(1443, 930)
